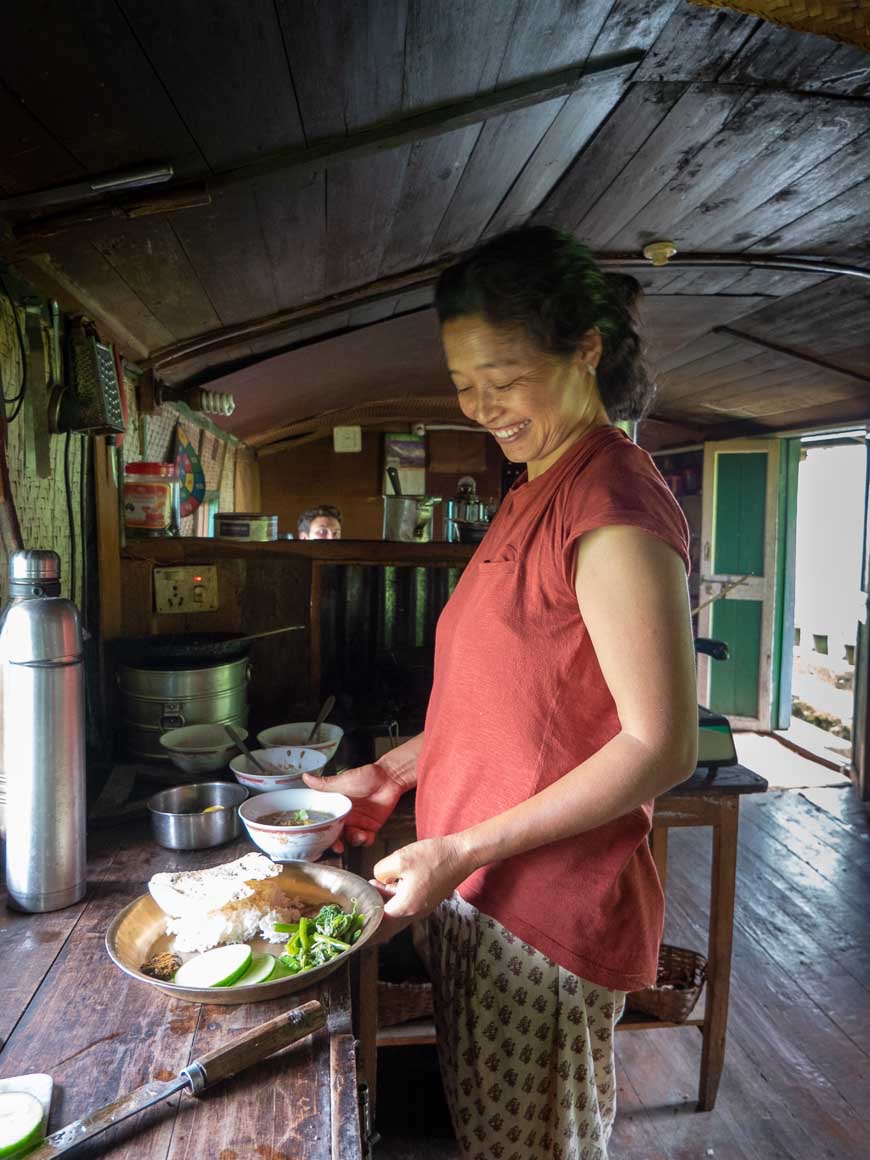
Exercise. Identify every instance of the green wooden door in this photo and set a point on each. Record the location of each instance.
(739, 559)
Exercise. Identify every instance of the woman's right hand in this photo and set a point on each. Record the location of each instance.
(374, 793)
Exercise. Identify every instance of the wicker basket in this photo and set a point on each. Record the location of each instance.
(679, 981)
(401, 1002)
(844, 20)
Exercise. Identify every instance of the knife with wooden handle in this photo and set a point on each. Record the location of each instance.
(233, 1057)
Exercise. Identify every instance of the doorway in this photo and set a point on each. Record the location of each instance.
(828, 599)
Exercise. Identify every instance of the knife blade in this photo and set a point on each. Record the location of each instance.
(233, 1057)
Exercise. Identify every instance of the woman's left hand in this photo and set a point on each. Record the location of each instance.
(421, 875)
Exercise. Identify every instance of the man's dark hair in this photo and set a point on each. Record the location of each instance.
(326, 509)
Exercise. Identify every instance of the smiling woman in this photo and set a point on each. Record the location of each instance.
(546, 738)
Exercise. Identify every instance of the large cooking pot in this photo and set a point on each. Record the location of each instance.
(190, 648)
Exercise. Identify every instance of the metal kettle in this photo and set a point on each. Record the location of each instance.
(43, 738)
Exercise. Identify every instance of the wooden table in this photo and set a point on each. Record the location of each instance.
(707, 798)
(67, 1010)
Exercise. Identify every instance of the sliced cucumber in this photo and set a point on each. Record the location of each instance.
(261, 968)
(20, 1122)
(217, 968)
(280, 971)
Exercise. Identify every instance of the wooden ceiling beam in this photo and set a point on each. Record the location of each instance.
(431, 122)
(282, 320)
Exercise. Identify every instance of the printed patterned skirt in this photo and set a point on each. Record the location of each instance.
(526, 1048)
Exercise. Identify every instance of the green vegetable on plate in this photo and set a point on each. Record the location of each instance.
(315, 941)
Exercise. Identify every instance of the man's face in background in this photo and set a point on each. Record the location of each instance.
(322, 528)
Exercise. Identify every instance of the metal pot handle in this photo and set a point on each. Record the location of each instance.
(172, 716)
(249, 672)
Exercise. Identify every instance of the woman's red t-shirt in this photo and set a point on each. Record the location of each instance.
(518, 700)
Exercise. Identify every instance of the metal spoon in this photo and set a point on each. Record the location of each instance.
(236, 738)
(325, 709)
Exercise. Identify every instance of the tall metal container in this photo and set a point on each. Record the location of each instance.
(43, 738)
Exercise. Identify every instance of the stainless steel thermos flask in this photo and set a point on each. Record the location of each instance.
(43, 738)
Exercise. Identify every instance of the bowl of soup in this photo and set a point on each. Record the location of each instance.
(325, 740)
(295, 825)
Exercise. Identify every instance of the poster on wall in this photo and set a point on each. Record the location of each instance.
(407, 453)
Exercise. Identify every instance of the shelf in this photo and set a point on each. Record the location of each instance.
(190, 550)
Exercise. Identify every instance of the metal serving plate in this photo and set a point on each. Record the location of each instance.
(139, 931)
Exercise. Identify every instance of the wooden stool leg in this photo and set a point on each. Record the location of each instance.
(719, 950)
(658, 841)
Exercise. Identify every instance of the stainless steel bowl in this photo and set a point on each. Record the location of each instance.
(178, 820)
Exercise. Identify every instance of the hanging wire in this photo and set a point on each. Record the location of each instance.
(17, 400)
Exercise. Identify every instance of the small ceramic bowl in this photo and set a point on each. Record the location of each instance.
(295, 733)
(292, 761)
(196, 817)
(200, 748)
(295, 843)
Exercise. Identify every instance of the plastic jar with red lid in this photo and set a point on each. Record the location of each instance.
(151, 500)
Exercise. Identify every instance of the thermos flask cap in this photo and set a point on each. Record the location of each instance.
(34, 572)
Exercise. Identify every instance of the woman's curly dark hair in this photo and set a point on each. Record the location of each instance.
(546, 281)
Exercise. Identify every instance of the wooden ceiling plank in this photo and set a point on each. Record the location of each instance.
(774, 400)
(502, 149)
(840, 171)
(824, 322)
(704, 281)
(775, 283)
(32, 158)
(303, 333)
(148, 256)
(224, 244)
(696, 44)
(292, 212)
(454, 49)
(840, 225)
(80, 71)
(346, 59)
(727, 360)
(434, 170)
(693, 350)
(753, 123)
(695, 118)
(798, 60)
(361, 200)
(414, 300)
(800, 419)
(624, 132)
(752, 367)
(826, 127)
(225, 69)
(801, 355)
(637, 23)
(550, 34)
(576, 123)
(82, 280)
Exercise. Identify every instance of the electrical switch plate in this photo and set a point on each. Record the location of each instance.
(188, 589)
(347, 438)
